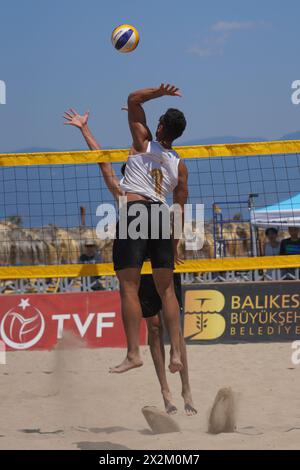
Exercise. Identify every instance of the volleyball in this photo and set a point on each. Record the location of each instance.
(125, 38)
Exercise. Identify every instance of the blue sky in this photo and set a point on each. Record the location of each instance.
(234, 61)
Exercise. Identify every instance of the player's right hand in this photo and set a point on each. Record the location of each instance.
(74, 119)
(169, 90)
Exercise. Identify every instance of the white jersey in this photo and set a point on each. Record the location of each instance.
(272, 250)
(153, 174)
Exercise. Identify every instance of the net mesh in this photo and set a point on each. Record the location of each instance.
(48, 212)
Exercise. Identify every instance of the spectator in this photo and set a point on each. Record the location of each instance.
(272, 245)
(272, 248)
(92, 256)
(290, 246)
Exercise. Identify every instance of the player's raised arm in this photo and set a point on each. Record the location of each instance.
(81, 122)
(180, 195)
(141, 134)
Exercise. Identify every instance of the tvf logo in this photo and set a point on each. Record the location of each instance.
(2, 92)
(296, 353)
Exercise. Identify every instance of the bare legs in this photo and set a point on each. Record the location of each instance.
(184, 375)
(156, 342)
(164, 283)
(132, 314)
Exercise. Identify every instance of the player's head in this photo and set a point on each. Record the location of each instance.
(271, 233)
(90, 247)
(294, 232)
(171, 125)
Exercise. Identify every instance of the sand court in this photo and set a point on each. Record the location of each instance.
(66, 399)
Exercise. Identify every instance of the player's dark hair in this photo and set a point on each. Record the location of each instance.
(174, 123)
(123, 168)
(271, 230)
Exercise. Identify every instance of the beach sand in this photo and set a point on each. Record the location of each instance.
(65, 399)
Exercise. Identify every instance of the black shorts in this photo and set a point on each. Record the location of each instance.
(131, 253)
(149, 298)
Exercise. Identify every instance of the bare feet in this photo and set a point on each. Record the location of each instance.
(126, 365)
(175, 363)
(189, 408)
(169, 406)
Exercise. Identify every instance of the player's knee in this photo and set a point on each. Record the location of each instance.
(154, 328)
(128, 290)
(165, 291)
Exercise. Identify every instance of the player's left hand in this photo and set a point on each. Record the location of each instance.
(178, 260)
(74, 119)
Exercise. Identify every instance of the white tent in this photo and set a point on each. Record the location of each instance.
(281, 215)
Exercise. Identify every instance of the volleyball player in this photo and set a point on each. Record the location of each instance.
(151, 310)
(153, 172)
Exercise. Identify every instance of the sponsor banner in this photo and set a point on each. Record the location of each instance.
(250, 312)
(38, 321)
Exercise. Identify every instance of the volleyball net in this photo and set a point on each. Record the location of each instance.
(48, 204)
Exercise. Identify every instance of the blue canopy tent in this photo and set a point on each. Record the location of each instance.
(281, 215)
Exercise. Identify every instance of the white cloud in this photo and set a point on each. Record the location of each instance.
(220, 33)
(209, 46)
(234, 25)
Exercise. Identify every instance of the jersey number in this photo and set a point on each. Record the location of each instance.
(157, 176)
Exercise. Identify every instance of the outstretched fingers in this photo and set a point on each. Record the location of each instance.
(169, 89)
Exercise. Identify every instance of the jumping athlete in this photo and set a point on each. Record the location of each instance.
(151, 308)
(153, 172)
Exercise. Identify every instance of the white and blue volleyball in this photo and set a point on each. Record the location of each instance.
(125, 38)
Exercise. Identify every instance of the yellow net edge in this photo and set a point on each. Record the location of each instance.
(121, 155)
(106, 269)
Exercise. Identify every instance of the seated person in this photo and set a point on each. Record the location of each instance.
(272, 248)
(290, 246)
(272, 244)
(92, 256)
